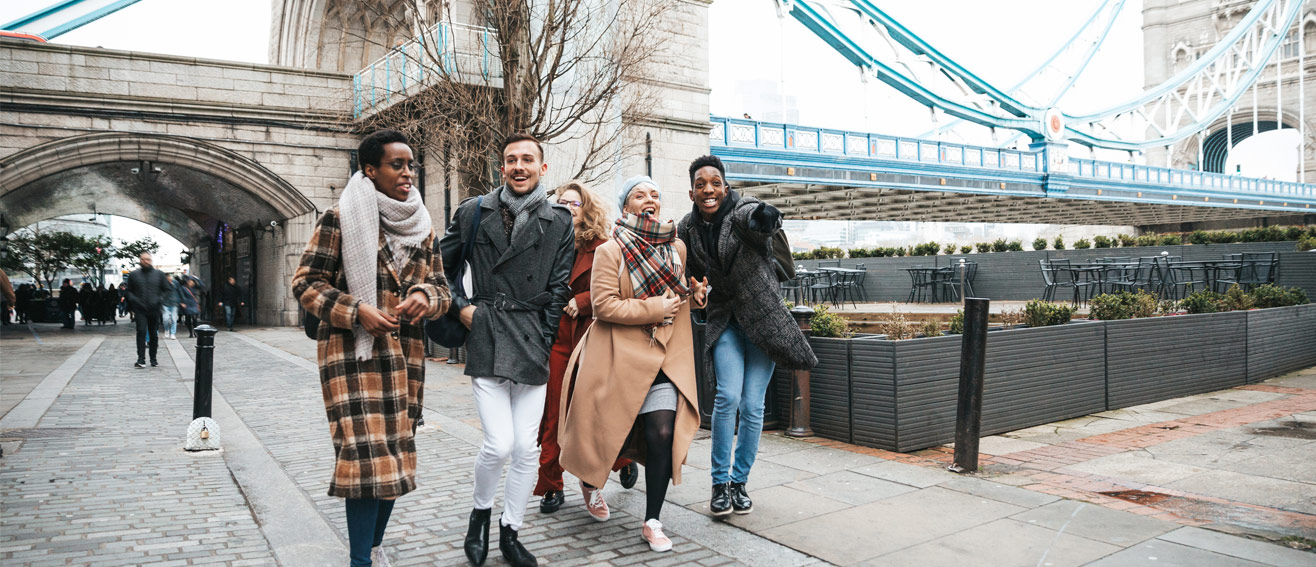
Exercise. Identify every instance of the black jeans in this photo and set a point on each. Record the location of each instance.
(148, 332)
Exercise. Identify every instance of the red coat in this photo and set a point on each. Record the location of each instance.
(571, 329)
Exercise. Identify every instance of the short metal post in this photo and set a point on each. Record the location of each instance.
(963, 280)
(205, 361)
(968, 411)
(799, 420)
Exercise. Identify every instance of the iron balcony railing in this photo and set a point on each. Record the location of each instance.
(463, 52)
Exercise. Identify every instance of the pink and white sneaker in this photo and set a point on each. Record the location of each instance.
(598, 508)
(652, 532)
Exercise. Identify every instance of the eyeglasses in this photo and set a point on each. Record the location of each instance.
(398, 165)
(572, 204)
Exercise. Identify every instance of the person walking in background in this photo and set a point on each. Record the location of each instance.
(634, 388)
(591, 230)
(749, 330)
(146, 291)
(23, 301)
(173, 301)
(191, 306)
(371, 275)
(519, 267)
(87, 303)
(231, 298)
(68, 303)
(108, 298)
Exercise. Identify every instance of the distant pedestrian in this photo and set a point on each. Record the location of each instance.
(191, 305)
(87, 303)
(109, 304)
(370, 273)
(749, 330)
(173, 300)
(68, 303)
(23, 301)
(231, 298)
(147, 288)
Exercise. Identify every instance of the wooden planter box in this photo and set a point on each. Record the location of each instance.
(1280, 341)
(1158, 358)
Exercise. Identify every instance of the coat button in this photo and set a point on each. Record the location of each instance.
(529, 277)
(525, 338)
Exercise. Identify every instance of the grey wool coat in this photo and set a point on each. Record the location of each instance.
(745, 286)
(520, 287)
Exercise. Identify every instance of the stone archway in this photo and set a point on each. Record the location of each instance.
(190, 189)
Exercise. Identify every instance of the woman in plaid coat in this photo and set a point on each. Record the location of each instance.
(370, 274)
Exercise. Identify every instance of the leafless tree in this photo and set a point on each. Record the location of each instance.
(572, 73)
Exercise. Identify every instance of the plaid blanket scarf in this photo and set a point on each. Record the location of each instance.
(651, 260)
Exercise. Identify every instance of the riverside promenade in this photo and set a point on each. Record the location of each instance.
(93, 473)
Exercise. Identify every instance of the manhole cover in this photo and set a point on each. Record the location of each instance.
(42, 433)
(1293, 429)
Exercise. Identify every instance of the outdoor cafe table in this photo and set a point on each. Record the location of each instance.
(1210, 269)
(923, 276)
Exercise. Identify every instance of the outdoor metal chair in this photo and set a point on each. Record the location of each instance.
(920, 281)
(824, 287)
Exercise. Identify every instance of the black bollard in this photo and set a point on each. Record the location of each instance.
(968, 411)
(205, 362)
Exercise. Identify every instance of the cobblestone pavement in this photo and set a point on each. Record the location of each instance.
(31, 352)
(103, 479)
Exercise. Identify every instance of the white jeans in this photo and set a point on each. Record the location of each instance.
(510, 414)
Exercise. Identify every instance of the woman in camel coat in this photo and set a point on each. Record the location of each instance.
(634, 385)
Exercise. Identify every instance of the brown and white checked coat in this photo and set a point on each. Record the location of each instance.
(372, 405)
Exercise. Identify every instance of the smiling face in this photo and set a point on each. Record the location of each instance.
(522, 166)
(708, 191)
(571, 199)
(392, 176)
(643, 199)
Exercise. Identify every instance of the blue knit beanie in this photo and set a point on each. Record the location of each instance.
(630, 184)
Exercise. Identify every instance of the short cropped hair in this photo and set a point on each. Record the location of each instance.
(522, 137)
(371, 150)
(705, 161)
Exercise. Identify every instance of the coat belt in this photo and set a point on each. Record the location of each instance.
(504, 302)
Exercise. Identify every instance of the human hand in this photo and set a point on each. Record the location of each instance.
(571, 308)
(415, 305)
(467, 315)
(671, 304)
(699, 290)
(376, 322)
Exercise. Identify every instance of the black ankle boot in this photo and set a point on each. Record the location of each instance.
(515, 554)
(477, 537)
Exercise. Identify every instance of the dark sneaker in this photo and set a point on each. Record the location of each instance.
(720, 505)
(552, 501)
(154, 364)
(739, 498)
(629, 474)
(139, 364)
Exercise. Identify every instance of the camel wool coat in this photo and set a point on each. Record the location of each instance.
(614, 366)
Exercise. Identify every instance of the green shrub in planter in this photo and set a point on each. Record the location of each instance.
(1039, 244)
(1122, 305)
(1000, 245)
(802, 255)
(1199, 237)
(1306, 243)
(897, 252)
(928, 249)
(1204, 301)
(1294, 233)
(1147, 240)
(984, 247)
(1102, 242)
(1038, 313)
(827, 324)
(1271, 295)
(1127, 240)
(956, 323)
(950, 249)
(1016, 246)
(1171, 240)
(966, 249)
(1082, 244)
(1058, 243)
(1238, 300)
(931, 329)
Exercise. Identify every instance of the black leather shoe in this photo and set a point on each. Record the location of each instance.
(477, 537)
(552, 501)
(139, 364)
(155, 363)
(629, 474)
(720, 505)
(515, 554)
(740, 501)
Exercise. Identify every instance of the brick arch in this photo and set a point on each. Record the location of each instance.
(22, 168)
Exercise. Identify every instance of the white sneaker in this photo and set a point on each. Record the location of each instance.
(652, 533)
(378, 558)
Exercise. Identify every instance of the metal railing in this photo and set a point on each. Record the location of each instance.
(465, 52)
(1190, 179)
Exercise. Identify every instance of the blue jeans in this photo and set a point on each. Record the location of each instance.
(743, 374)
(366, 520)
(229, 312)
(170, 320)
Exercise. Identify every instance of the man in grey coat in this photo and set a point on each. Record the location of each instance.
(146, 291)
(519, 269)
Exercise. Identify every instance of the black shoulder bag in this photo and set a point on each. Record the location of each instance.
(448, 330)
